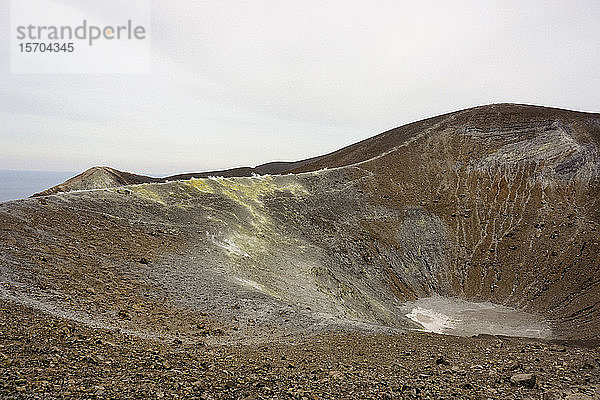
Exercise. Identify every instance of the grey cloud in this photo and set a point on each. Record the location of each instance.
(238, 82)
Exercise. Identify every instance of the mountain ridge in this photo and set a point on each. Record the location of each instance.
(103, 177)
(357, 152)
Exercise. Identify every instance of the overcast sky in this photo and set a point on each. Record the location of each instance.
(245, 82)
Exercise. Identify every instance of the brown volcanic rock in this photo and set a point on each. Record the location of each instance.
(495, 118)
(106, 177)
(517, 190)
(48, 357)
(271, 168)
(97, 178)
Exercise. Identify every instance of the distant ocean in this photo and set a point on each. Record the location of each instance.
(21, 184)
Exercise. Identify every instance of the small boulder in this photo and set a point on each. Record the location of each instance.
(526, 380)
(580, 396)
(441, 361)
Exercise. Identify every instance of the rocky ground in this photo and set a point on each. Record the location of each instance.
(46, 357)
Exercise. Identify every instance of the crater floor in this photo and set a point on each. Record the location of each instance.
(453, 316)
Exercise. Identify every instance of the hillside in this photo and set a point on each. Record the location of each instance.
(106, 177)
(516, 190)
(97, 178)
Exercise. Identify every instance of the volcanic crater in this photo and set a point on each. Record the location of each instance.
(478, 222)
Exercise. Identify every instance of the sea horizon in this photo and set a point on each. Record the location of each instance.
(20, 184)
